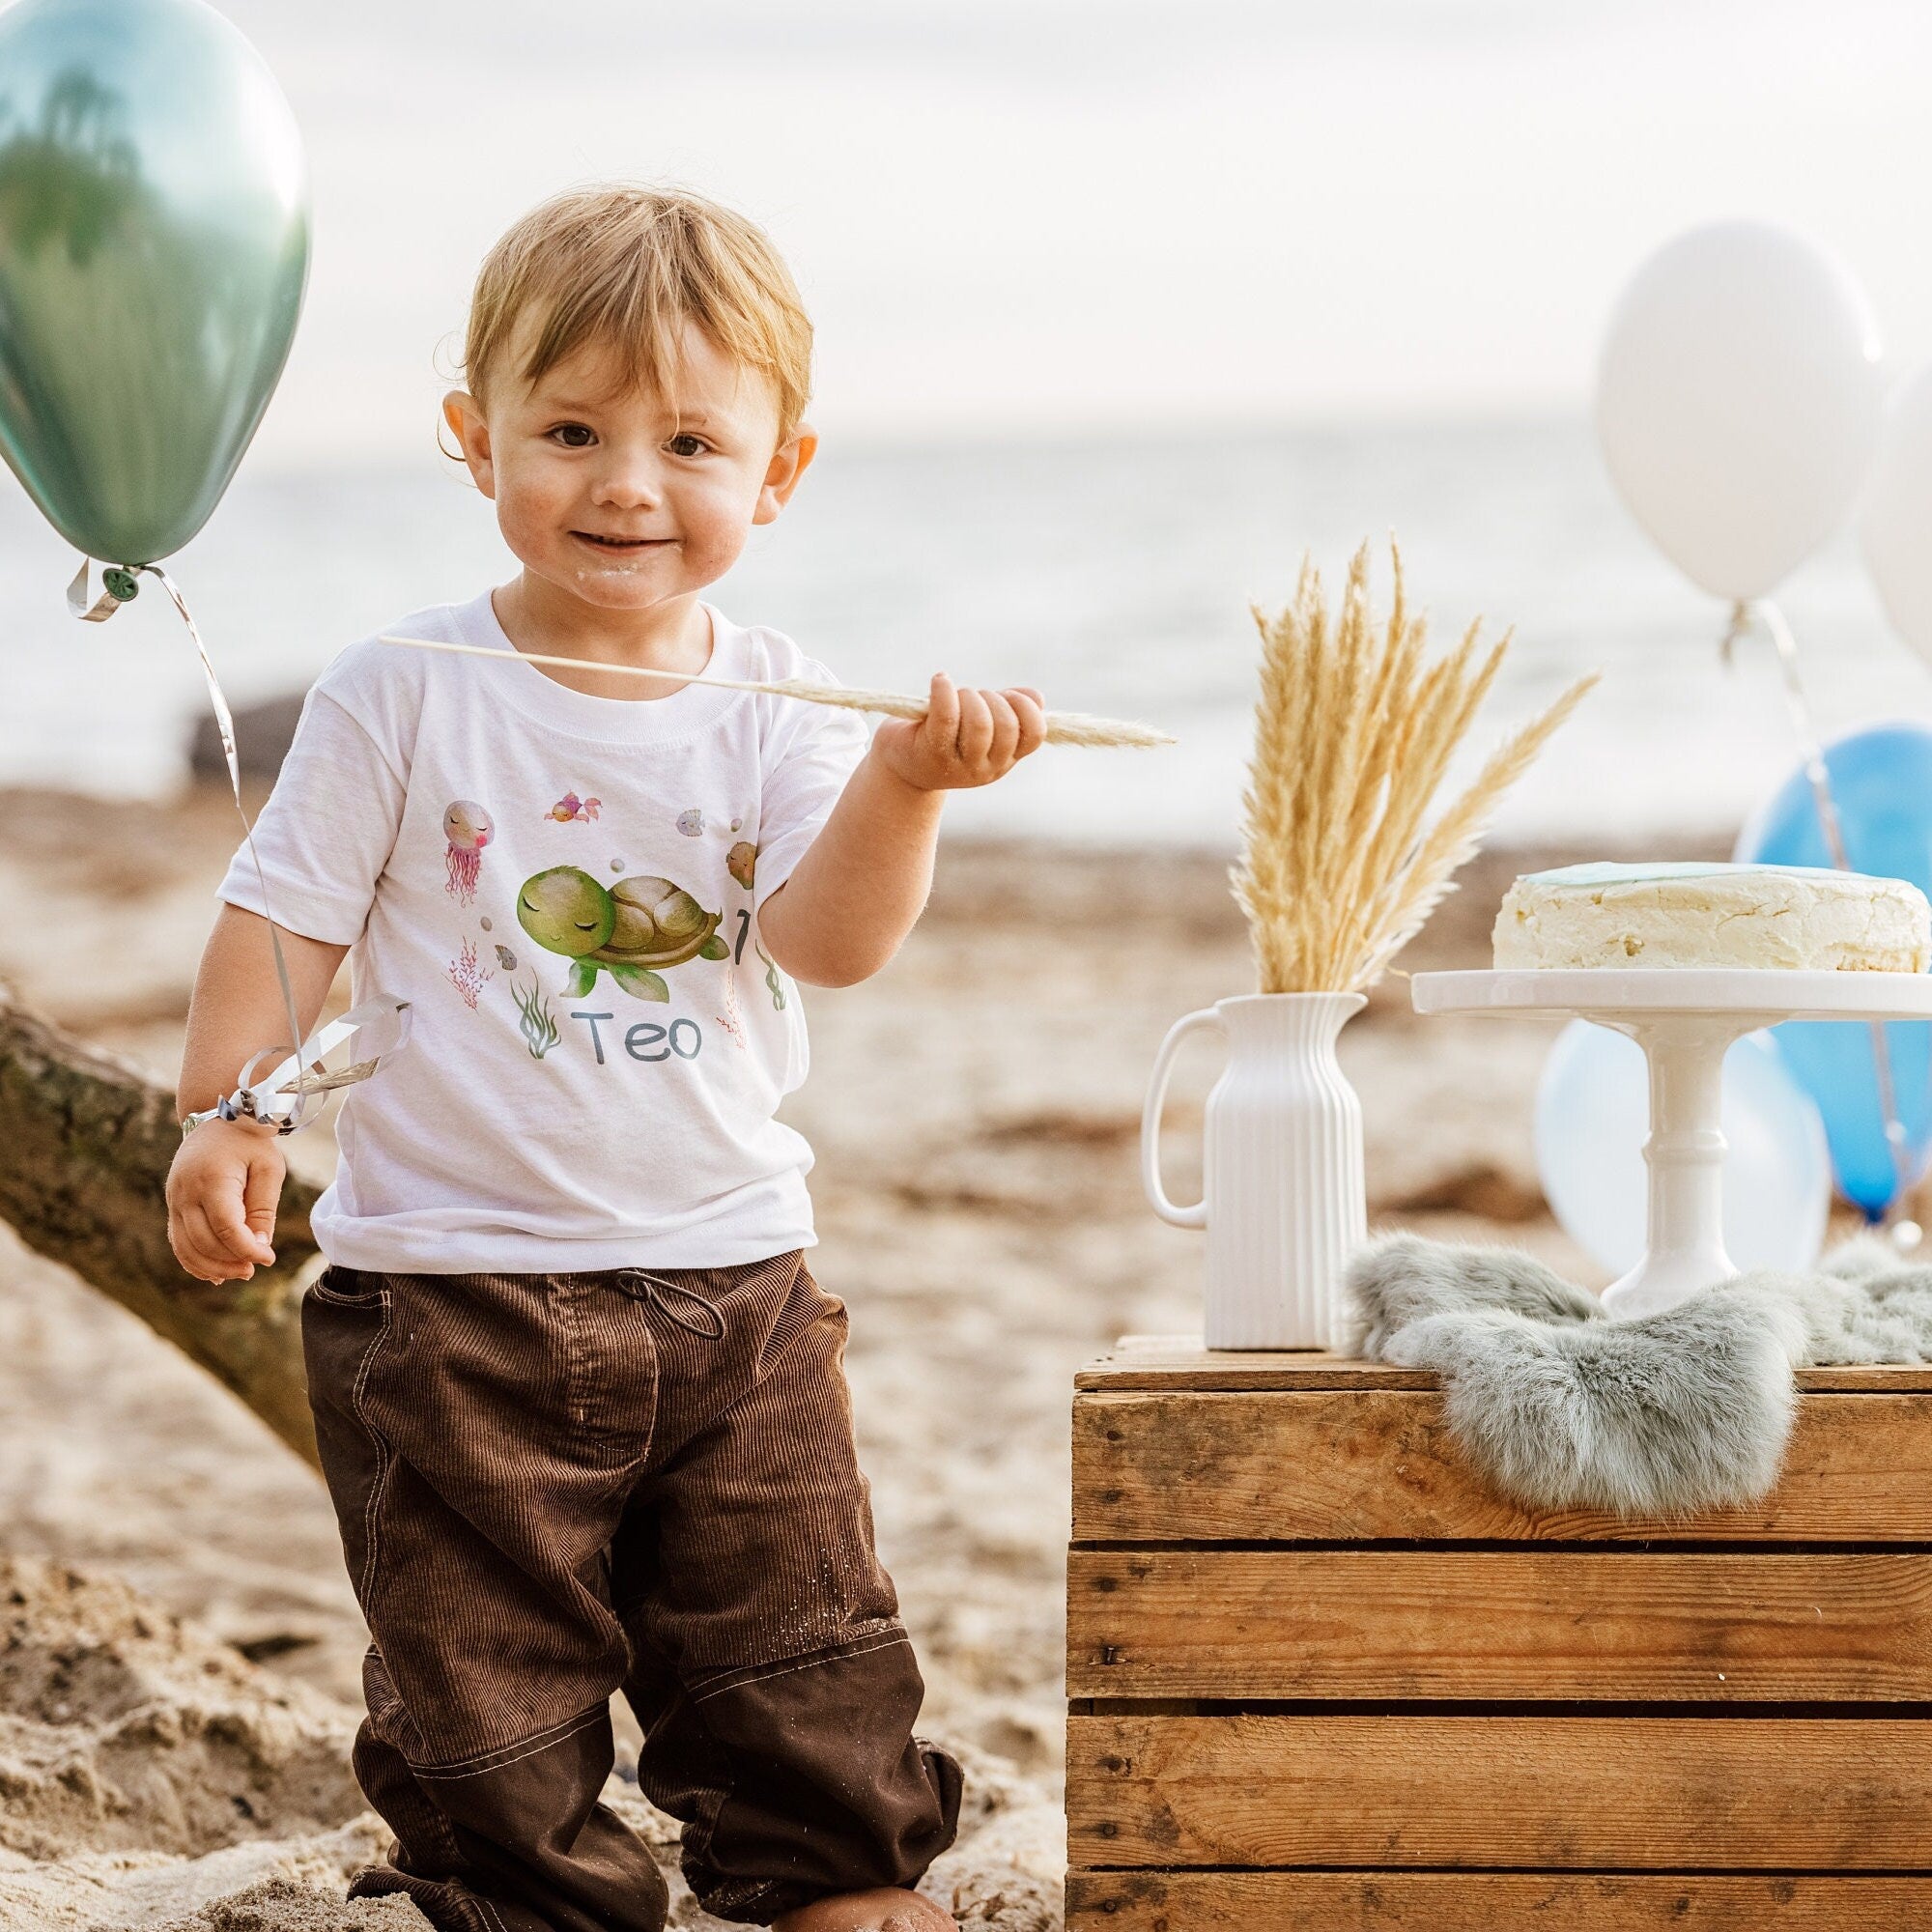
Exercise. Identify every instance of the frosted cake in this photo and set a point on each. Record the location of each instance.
(1795, 917)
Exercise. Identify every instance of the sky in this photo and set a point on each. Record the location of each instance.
(1043, 218)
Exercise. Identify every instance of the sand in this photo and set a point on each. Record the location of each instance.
(181, 1678)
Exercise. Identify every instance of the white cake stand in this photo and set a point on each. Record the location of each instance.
(1685, 1019)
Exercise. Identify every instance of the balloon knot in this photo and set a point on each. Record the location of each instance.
(1740, 627)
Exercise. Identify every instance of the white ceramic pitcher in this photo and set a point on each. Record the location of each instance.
(1283, 1199)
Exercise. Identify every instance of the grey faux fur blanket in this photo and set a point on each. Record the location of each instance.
(1687, 1410)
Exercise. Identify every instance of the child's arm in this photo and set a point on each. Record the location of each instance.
(855, 892)
(227, 1175)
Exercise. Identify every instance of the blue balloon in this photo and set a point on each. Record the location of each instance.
(1882, 785)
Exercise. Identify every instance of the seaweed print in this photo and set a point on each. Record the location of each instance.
(535, 1019)
(774, 984)
(467, 977)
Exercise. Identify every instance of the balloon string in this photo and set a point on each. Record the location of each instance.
(224, 720)
(1818, 776)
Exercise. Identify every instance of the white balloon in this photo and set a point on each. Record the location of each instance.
(1739, 401)
(1593, 1118)
(1895, 523)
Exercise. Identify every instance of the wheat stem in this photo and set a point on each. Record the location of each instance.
(1062, 728)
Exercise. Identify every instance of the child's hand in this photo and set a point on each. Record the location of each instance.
(966, 737)
(222, 1190)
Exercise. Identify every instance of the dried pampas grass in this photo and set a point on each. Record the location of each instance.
(1062, 728)
(1353, 736)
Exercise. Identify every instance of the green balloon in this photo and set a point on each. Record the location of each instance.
(153, 250)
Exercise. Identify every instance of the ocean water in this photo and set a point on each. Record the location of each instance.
(1115, 575)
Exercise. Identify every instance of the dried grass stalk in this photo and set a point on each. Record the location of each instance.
(1062, 728)
(1352, 737)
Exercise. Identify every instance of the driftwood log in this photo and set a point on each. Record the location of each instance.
(87, 1139)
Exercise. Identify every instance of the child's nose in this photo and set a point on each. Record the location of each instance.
(629, 484)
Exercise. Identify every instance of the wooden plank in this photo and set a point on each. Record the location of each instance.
(1510, 1793)
(1490, 1902)
(1379, 1464)
(1867, 1378)
(1180, 1361)
(1500, 1625)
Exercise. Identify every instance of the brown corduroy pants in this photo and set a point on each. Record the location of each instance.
(551, 1488)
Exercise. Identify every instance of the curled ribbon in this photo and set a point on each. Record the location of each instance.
(290, 1104)
(378, 1026)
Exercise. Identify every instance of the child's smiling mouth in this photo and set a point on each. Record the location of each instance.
(623, 543)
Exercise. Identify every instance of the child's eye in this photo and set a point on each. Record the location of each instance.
(685, 443)
(574, 436)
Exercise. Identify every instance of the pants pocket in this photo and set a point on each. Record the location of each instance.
(347, 1288)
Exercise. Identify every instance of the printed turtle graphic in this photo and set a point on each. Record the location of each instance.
(632, 927)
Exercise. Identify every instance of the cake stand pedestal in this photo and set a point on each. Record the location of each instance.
(1685, 1019)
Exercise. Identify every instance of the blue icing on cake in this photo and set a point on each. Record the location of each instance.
(1601, 873)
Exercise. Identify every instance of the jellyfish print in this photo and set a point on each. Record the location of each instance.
(467, 828)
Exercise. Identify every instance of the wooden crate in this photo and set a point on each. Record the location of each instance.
(1320, 1679)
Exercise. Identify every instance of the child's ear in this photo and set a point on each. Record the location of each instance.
(464, 414)
(790, 462)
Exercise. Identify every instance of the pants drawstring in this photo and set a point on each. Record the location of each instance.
(654, 1289)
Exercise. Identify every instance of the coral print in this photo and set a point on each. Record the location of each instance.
(742, 863)
(571, 808)
(732, 1020)
(638, 926)
(467, 828)
(467, 976)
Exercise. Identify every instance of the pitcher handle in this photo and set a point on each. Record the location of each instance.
(1195, 1216)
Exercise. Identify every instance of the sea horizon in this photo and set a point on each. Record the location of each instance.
(1116, 572)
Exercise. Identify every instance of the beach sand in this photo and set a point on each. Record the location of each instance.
(180, 1679)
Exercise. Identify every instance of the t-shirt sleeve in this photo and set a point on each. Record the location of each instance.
(326, 832)
(813, 751)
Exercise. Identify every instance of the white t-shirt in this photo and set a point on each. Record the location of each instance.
(566, 888)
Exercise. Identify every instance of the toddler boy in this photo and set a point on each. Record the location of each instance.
(580, 1401)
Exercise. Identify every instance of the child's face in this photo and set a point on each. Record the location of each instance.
(622, 498)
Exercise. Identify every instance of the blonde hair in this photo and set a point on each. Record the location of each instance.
(627, 267)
